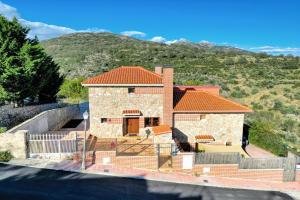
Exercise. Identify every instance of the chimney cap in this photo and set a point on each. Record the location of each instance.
(168, 66)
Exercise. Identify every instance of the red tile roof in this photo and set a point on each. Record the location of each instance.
(205, 137)
(204, 102)
(213, 89)
(162, 129)
(125, 75)
(131, 112)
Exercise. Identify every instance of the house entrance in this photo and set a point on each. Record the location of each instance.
(131, 126)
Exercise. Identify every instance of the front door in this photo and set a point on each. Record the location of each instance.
(132, 126)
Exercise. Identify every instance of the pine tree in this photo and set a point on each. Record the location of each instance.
(26, 71)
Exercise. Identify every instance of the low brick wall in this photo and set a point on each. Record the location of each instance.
(233, 171)
(226, 170)
(298, 175)
(143, 162)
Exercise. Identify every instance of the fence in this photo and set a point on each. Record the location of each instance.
(52, 144)
(217, 158)
(262, 163)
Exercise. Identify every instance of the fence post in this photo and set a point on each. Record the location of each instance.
(158, 153)
(59, 147)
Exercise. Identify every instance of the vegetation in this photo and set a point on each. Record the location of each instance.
(73, 90)
(5, 156)
(265, 83)
(26, 71)
(3, 129)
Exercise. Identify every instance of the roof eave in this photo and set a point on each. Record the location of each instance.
(213, 111)
(122, 85)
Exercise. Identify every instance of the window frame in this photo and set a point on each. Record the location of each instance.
(131, 90)
(153, 121)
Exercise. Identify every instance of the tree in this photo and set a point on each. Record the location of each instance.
(26, 71)
(73, 90)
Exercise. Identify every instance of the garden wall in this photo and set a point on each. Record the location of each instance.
(10, 116)
(15, 143)
(47, 120)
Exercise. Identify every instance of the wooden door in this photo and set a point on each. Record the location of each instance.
(132, 125)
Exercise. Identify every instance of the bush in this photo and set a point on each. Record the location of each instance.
(262, 134)
(3, 129)
(5, 156)
(73, 90)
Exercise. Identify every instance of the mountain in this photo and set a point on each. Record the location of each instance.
(268, 84)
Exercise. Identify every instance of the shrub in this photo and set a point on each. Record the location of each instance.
(5, 156)
(3, 129)
(262, 134)
(73, 90)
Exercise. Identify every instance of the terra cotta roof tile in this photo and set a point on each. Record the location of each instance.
(125, 75)
(201, 101)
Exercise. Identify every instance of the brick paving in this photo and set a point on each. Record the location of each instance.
(256, 152)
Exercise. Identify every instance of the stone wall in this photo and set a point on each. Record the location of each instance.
(47, 120)
(223, 127)
(15, 143)
(10, 116)
(109, 102)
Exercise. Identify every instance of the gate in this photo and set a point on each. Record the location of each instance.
(51, 145)
(289, 168)
(164, 153)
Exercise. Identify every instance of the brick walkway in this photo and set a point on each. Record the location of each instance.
(256, 152)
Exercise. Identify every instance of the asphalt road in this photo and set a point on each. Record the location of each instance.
(25, 183)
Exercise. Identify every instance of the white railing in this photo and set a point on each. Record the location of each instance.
(52, 145)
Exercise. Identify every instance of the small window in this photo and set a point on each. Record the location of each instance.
(131, 90)
(103, 120)
(151, 121)
(202, 117)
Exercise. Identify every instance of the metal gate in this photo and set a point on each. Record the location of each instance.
(164, 153)
(289, 169)
(51, 145)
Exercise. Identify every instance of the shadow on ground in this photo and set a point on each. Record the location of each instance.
(25, 183)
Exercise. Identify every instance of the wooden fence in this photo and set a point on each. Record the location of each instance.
(54, 144)
(217, 158)
(262, 163)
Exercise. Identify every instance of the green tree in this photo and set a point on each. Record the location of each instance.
(73, 90)
(26, 71)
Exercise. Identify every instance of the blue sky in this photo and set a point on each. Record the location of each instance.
(271, 26)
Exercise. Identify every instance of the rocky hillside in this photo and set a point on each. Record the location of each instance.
(268, 84)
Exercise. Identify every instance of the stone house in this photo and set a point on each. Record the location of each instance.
(127, 101)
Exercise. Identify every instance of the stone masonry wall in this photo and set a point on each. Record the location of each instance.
(10, 116)
(223, 127)
(109, 102)
(15, 143)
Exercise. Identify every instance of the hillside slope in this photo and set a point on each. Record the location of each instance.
(264, 82)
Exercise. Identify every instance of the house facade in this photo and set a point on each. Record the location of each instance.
(130, 101)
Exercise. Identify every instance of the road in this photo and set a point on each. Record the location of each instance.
(25, 183)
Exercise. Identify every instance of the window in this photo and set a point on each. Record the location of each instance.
(202, 117)
(151, 121)
(103, 120)
(131, 90)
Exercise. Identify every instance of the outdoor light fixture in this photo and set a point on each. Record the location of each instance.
(85, 117)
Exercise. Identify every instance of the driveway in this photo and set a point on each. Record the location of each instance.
(22, 183)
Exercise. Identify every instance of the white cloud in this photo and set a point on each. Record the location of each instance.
(158, 39)
(8, 11)
(42, 30)
(176, 41)
(276, 50)
(133, 33)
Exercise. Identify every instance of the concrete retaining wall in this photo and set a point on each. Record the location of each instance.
(47, 120)
(10, 116)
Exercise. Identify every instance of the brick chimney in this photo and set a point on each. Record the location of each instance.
(158, 70)
(168, 95)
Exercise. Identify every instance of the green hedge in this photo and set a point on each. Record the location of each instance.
(262, 134)
(5, 156)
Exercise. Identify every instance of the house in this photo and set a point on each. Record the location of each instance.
(130, 100)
